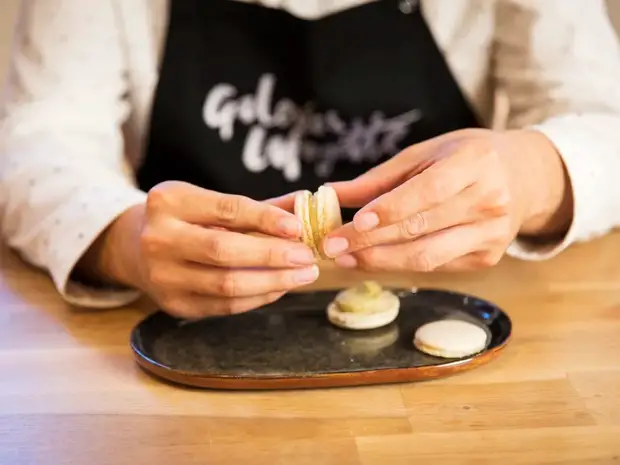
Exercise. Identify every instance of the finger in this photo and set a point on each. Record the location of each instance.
(224, 248)
(473, 261)
(192, 306)
(427, 253)
(435, 185)
(384, 177)
(251, 283)
(367, 187)
(467, 207)
(199, 206)
(231, 283)
(285, 202)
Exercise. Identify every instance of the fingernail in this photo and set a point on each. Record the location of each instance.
(366, 222)
(290, 226)
(307, 275)
(335, 246)
(300, 256)
(346, 261)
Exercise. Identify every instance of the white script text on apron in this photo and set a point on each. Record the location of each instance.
(284, 135)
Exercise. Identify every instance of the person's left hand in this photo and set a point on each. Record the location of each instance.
(454, 202)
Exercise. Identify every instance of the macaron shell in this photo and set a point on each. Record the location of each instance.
(362, 321)
(328, 209)
(319, 214)
(451, 338)
(329, 215)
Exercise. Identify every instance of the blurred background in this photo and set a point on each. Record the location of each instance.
(8, 9)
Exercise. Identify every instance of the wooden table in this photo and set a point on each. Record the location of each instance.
(70, 392)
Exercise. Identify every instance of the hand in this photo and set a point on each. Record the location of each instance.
(454, 202)
(196, 252)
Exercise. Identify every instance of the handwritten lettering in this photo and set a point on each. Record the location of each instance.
(284, 134)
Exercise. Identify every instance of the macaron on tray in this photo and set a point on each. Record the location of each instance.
(369, 306)
(363, 334)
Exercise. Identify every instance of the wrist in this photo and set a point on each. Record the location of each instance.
(114, 257)
(542, 183)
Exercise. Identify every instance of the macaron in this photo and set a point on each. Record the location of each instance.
(363, 307)
(450, 338)
(319, 214)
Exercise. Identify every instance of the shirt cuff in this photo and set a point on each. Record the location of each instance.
(76, 226)
(576, 140)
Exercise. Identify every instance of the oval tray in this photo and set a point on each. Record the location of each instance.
(291, 344)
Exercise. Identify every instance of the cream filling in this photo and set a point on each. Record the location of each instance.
(368, 297)
(317, 235)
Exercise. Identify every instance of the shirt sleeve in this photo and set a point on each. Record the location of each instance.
(558, 63)
(63, 175)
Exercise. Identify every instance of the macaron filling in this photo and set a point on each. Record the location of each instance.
(320, 214)
(367, 306)
(315, 225)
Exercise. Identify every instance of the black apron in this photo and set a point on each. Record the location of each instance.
(255, 101)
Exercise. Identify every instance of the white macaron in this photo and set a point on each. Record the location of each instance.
(451, 338)
(367, 306)
(319, 214)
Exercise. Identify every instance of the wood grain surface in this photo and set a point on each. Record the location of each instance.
(71, 393)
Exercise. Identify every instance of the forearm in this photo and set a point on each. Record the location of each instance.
(553, 82)
(63, 180)
(53, 206)
(589, 147)
(543, 182)
(113, 258)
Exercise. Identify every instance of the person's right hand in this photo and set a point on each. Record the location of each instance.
(193, 251)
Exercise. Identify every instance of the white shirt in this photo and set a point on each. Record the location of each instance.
(84, 72)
